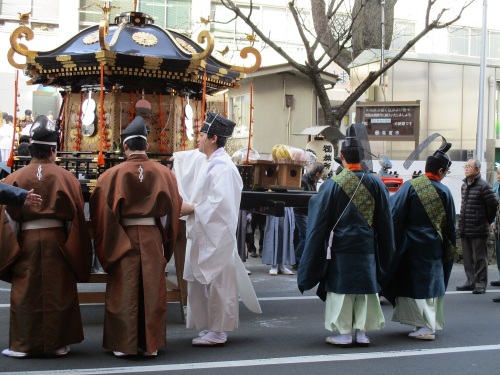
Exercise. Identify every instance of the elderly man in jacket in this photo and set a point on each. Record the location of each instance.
(477, 212)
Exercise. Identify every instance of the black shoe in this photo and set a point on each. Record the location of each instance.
(465, 287)
(479, 291)
(253, 254)
(496, 299)
(495, 283)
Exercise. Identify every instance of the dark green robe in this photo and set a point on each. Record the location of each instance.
(417, 270)
(360, 253)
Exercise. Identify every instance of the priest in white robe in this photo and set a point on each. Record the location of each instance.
(211, 186)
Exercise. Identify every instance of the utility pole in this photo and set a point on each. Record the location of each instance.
(382, 57)
(482, 83)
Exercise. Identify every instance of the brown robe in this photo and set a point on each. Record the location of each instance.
(135, 256)
(44, 265)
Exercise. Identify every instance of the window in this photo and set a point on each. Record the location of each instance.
(468, 41)
(10, 8)
(287, 32)
(171, 14)
(277, 23)
(494, 46)
(239, 112)
(46, 12)
(475, 37)
(459, 41)
(92, 15)
(465, 41)
(228, 28)
(404, 31)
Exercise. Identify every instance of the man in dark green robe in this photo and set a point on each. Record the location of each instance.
(424, 225)
(355, 205)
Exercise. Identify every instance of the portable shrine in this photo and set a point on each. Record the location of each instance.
(111, 72)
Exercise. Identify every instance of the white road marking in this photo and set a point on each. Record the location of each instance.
(264, 362)
(284, 298)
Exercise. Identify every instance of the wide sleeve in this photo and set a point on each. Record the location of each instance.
(383, 225)
(450, 237)
(78, 247)
(169, 224)
(451, 215)
(313, 263)
(215, 222)
(398, 204)
(186, 166)
(111, 242)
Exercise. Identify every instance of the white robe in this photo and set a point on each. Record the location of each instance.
(212, 267)
(6, 133)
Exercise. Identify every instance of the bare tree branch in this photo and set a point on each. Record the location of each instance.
(229, 4)
(343, 41)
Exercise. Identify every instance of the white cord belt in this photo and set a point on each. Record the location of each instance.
(41, 223)
(138, 221)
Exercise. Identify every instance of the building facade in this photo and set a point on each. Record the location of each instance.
(441, 71)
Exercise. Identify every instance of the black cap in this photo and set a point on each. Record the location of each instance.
(217, 125)
(350, 138)
(44, 131)
(440, 158)
(136, 129)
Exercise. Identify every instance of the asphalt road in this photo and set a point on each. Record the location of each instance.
(288, 338)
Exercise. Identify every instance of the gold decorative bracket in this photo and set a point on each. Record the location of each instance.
(20, 48)
(205, 36)
(103, 33)
(244, 54)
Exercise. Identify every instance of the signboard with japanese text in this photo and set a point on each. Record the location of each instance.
(390, 121)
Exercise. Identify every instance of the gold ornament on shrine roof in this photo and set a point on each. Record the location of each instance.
(91, 38)
(185, 46)
(145, 39)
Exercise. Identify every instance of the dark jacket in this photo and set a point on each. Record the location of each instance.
(308, 184)
(12, 195)
(479, 206)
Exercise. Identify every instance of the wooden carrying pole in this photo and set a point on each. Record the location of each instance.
(250, 127)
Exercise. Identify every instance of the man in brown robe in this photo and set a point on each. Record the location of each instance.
(45, 251)
(135, 210)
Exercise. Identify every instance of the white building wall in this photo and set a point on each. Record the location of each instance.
(42, 41)
(435, 43)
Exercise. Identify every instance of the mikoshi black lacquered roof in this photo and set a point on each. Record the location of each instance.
(137, 55)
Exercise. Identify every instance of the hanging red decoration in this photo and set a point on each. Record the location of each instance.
(10, 162)
(78, 126)
(100, 158)
(131, 110)
(161, 125)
